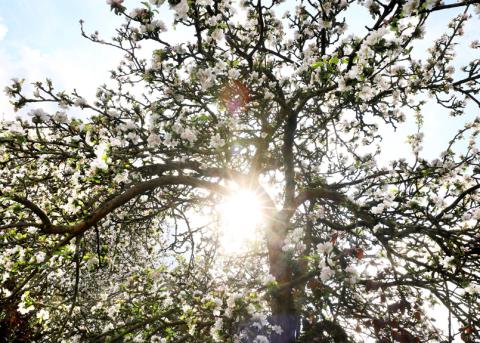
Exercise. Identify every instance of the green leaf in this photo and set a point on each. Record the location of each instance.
(317, 64)
(334, 60)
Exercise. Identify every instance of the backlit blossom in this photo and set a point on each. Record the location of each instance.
(277, 329)
(325, 248)
(154, 140)
(80, 102)
(60, 117)
(111, 211)
(189, 135)
(473, 289)
(114, 2)
(43, 315)
(448, 262)
(40, 257)
(39, 114)
(326, 274)
(181, 8)
(23, 309)
(261, 339)
(216, 141)
(157, 2)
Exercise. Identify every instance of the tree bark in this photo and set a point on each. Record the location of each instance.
(282, 303)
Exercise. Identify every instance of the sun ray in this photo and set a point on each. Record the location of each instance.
(240, 218)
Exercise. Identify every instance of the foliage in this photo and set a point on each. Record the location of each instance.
(109, 225)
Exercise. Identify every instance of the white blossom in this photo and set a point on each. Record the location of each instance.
(268, 278)
(352, 274)
(80, 102)
(189, 135)
(260, 319)
(378, 209)
(155, 338)
(22, 306)
(216, 141)
(261, 339)
(473, 289)
(157, 2)
(234, 74)
(325, 248)
(43, 315)
(326, 274)
(16, 128)
(169, 141)
(6, 293)
(448, 262)
(277, 329)
(113, 113)
(100, 162)
(206, 77)
(217, 35)
(159, 25)
(154, 140)
(60, 117)
(24, 310)
(181, 8)
(268, 95)
(40, 256)
(39, 114)
(114, 2)
(216, 329)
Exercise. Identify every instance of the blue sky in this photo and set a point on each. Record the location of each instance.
(40, 39)
(49, 24)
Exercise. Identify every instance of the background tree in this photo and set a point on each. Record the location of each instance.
(111, 222)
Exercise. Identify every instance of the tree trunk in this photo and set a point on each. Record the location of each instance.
(282, 304)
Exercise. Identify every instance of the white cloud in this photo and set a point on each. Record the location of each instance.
(71, 62)
(80, 70)
(3, 29)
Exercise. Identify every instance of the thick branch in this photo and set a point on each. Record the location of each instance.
(34, 208)
(336, 197)
(134, 191)
(288, 160)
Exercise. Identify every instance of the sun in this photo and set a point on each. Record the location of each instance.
(241, 214)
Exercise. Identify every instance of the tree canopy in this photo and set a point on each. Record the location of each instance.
(114, 211)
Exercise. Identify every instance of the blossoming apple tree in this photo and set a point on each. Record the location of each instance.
(110, 228)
